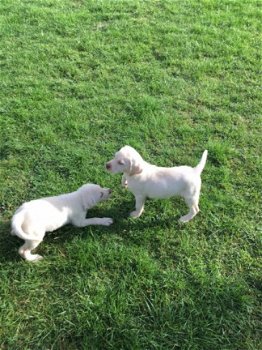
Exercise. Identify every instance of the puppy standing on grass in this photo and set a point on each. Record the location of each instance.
(33, 219)
(150, 181)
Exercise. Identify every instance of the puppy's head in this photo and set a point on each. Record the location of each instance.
(127, 160)
(92, 194)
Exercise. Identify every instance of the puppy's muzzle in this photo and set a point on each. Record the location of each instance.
(108, 166)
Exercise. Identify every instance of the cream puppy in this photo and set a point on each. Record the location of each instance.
(33, 219)
(150, 181)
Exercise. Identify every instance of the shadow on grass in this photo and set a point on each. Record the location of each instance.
(131, 230)
(8, 244)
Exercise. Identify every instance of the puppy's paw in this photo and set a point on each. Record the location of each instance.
(106, 221)
(135, 214)
(37, 258)
(33, 257)
(184, 219)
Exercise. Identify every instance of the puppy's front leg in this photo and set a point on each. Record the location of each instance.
(140, 201)
(94, 221)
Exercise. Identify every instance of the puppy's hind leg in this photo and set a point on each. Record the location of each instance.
(25, 251)
(192, 203)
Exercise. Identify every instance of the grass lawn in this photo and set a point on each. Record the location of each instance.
(79, 80)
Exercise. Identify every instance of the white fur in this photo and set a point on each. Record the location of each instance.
(150, 181)
(33, 219)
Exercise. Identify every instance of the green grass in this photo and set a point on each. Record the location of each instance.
(80, 79)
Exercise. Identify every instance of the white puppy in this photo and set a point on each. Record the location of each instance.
(149, 181)
(33, 219)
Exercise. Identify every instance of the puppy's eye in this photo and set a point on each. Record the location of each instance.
(120, 162)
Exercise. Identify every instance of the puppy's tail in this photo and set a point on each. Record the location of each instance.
(200, 166)
(16, 225)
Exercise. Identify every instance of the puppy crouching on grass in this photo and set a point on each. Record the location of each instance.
(146, 180)
(33, 219)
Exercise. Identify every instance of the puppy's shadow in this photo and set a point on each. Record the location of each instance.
(123, 226)
(150, 219)
(8, 244)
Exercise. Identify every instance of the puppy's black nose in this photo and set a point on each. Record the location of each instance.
(108, 166)
(110, 191)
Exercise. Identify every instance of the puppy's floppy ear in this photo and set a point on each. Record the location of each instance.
(135, 168)
(88, 199)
